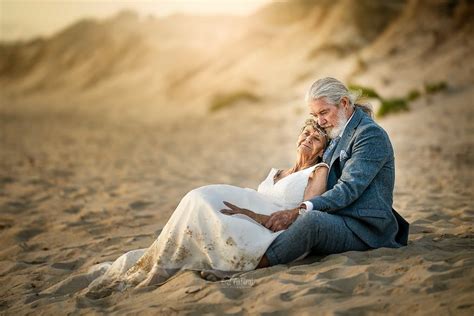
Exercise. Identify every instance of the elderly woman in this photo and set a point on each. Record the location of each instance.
(200, 235)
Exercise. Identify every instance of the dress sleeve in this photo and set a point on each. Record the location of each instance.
(266, 181)
(321, 164)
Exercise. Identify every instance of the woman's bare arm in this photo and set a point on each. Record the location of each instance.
(317, 182)
(260, 218)
(316, 186)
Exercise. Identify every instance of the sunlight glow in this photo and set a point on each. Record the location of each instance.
(22, 19)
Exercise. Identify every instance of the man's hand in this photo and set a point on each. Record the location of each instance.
(281, 220)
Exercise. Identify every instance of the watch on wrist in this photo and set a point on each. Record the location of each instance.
(302, 210)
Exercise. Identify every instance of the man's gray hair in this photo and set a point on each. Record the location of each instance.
(333, 91)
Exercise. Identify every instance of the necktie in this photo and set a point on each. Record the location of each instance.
(330, 150)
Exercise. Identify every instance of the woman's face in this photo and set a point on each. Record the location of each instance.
(310, 143)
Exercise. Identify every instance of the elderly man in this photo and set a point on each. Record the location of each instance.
(355, 213)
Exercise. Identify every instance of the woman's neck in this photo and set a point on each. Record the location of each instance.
(300, 164)
(303, 163)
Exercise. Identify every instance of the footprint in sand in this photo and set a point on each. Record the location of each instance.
(231, 293)
(6, 180)
(27, 234)
(40, 182)
(73, 209)
(16, 206)
(61, 173)
(71, 265)
(139, 205)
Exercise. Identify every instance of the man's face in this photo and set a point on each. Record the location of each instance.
(330, 117)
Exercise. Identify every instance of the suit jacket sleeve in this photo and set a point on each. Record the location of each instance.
(371, 150)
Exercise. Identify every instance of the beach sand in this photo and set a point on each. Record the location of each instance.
(79, 190)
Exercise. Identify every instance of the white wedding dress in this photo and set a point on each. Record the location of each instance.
(199, 237)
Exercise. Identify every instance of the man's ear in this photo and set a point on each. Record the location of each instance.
(345, 102)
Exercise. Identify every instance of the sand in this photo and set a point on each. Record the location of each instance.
(76, 191)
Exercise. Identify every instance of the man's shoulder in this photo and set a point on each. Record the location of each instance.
(368, 125)
(369, 132)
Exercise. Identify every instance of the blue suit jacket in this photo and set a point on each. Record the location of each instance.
(360, 184)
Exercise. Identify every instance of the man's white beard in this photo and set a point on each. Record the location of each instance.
(341, 122)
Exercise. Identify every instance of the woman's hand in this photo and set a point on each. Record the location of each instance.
(235, 210)
(260, 218)
(282, 219)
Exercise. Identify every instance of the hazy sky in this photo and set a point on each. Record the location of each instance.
(23, 19)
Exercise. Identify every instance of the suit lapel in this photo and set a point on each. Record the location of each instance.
(347, 135)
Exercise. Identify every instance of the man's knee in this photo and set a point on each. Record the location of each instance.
(309, 222)
(304, 234)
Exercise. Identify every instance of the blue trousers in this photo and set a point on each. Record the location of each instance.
(314, 232)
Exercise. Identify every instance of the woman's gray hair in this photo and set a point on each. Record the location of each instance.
(333, 91)
(311, 122)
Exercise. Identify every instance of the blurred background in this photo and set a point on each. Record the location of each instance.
(178, 94)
